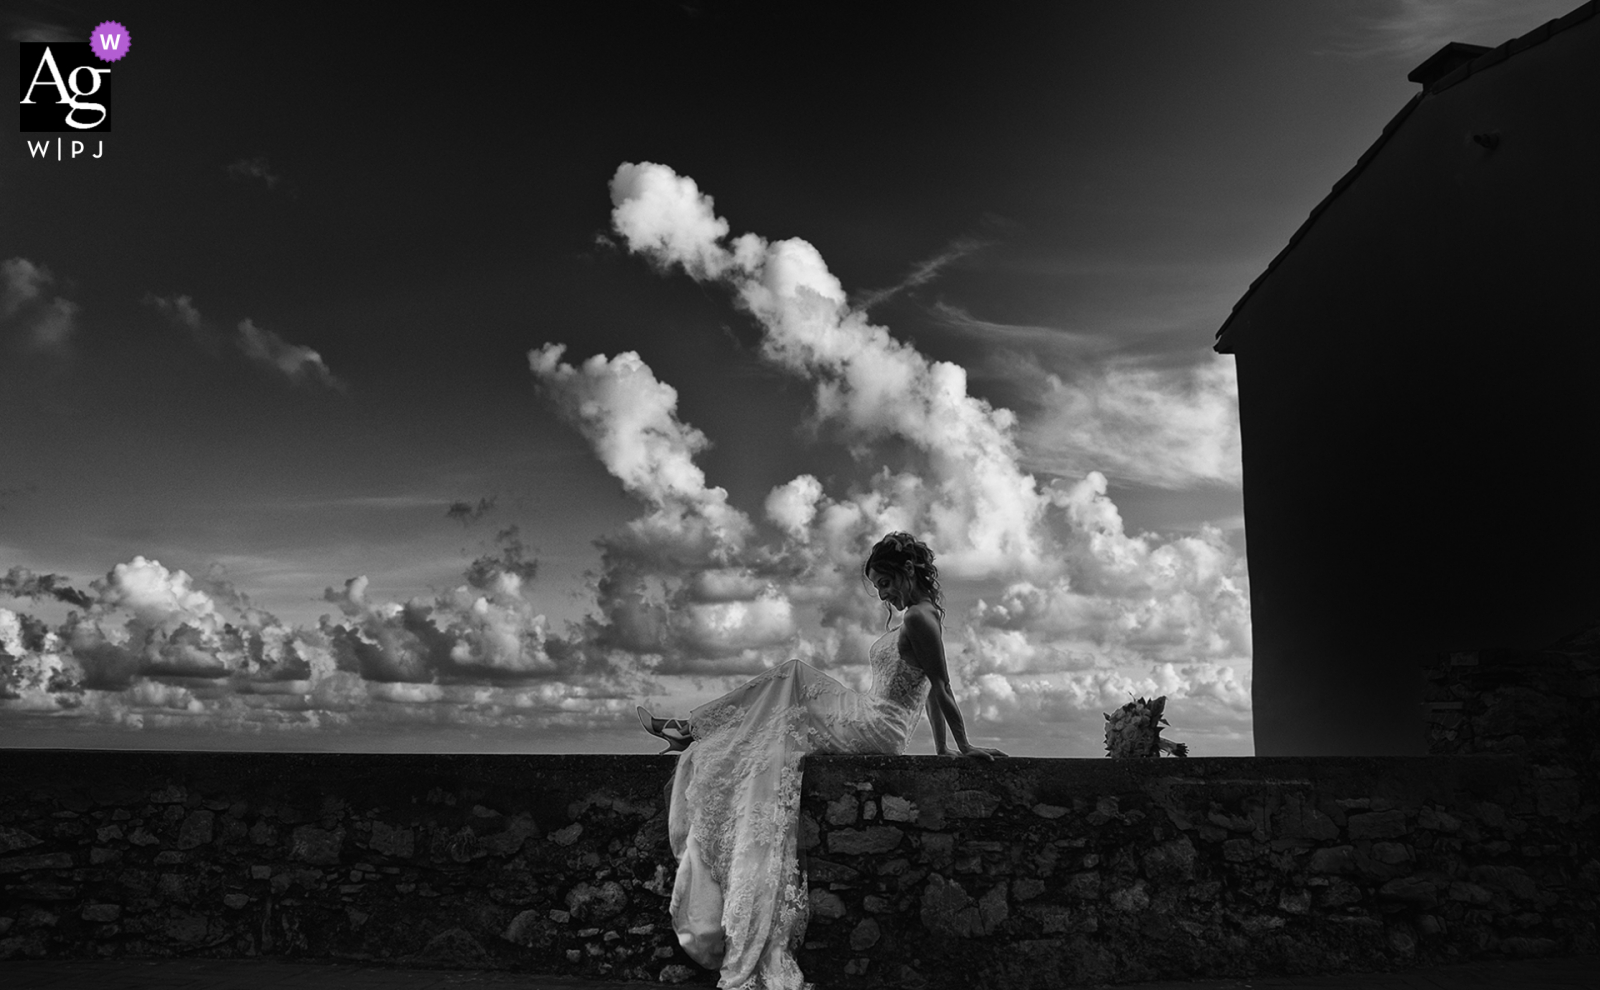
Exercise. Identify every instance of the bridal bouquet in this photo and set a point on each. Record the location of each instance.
(1134, 730)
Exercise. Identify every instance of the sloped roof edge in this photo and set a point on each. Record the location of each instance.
(1492, 57)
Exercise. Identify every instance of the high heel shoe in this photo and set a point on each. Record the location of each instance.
(674, 731)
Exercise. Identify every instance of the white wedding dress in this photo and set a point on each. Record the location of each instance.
(739, 902)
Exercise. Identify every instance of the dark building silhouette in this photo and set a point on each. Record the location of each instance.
(1419, 393)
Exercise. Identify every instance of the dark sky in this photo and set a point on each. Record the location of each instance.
(1062, 199)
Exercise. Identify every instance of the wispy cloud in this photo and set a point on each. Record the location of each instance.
(1415, 29)
(180, 311)
(299, 364)
(32, 29)
(1171, 428)
(1054, 341)
(44, 321)
(296, 363)
(1169, 418)
(255, 169)
(923, 272)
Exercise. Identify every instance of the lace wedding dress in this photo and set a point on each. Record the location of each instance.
(739, 902)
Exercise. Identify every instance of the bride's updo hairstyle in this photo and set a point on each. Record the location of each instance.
(893, 552)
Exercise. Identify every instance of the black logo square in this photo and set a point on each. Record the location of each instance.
(64, 88)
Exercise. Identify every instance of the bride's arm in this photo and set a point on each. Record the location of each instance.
(936, 722)
(927, 646)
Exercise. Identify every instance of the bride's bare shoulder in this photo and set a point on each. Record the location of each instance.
(922, 615)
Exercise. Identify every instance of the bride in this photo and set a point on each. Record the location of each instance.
(739, 902)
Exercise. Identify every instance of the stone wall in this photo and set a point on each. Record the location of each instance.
(923, 871)
(1544, 704)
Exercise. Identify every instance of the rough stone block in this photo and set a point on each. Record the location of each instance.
(1130, 899)
(196, 830)
(1051, 811)
(391, 841)
(1438, 821)
(1260, 924)
(1054, 919)
(826, 871)
(236, 900)
(948, 910)
(456, 948)
(104, 913)
(865, 935)
(1339, 893)
(1233, 823)
(825, 904)
(41, 861)
(1171, 861)
(509, 842)
(567, 836)
(186, 927)
(1083, 886)
(1508, 878)
(1295, 902)
(1414, 891)
(1377, 825)
(843, 811)
(12, 839)
(897, 809)
(1027, 888)
(1335, 859)
(1391, 853)
(317, 846)
(865, 841)
(588, 902)
(1240, 850)
(1299, 819)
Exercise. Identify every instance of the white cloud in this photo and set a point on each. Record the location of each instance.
(45, 324)
(182, 313)
(158, 598)
(631, 420)
(793, 505)
(257, 169)
(21, 282)
(923, 272)
(299, 364)
(1170, 428)
(975, 501)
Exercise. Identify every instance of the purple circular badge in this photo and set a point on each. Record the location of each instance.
(109, 41)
